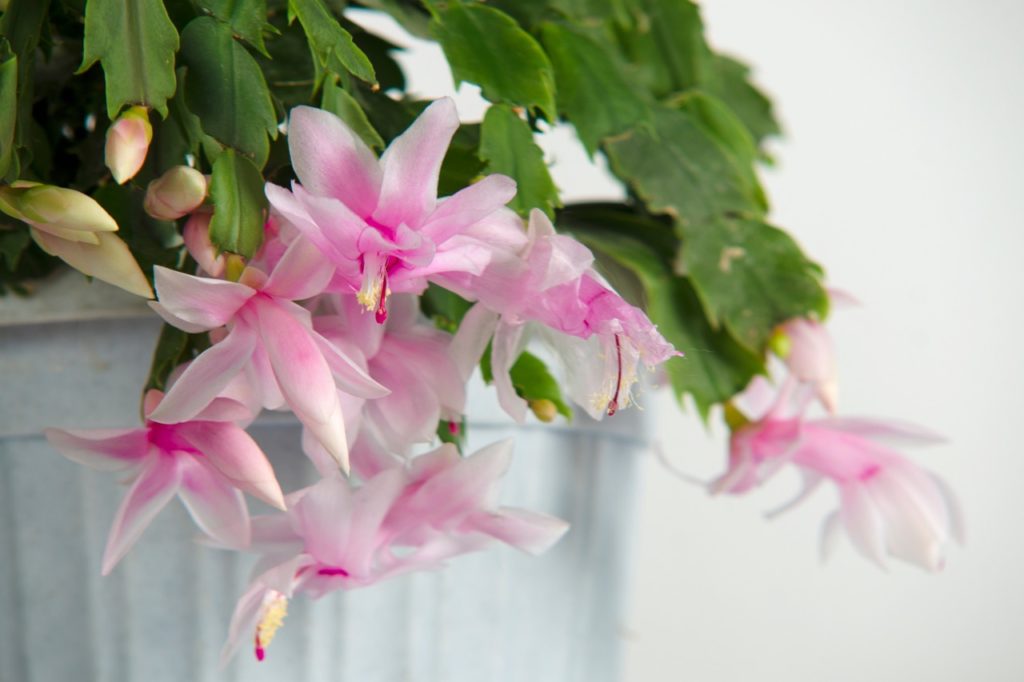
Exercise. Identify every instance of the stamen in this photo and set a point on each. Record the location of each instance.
(275, 608)
(613, 404)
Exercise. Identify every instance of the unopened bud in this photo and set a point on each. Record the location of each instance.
(177, 192)
(544, 409)
(197, 240)
(58, 208)
(779, 343)
(128, 141)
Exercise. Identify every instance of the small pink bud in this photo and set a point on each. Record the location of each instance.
(128, 141)
(197, 240)
(177, 192)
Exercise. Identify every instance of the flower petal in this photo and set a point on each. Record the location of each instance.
(529, 531)
(216, 506)
(505, 349)
(304, 377)
(150, 493)
(206, 377)
(301, 273)
(885, 430)
(471, 339)
(351, 378)
(102, 449)
(468, 206)
(110, 260)
(237, 457)
(331, 160)
(411, 165)
(202, 302)
(863, 523)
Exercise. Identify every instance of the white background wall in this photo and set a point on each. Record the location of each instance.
(901, 173)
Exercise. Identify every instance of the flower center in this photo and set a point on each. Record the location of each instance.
(374, 292)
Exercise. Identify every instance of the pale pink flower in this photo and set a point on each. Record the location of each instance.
(206, 462)
(552, 290)
(402, 519)
(887, 503)
(380, 222)
(128, 141)
(270, 337)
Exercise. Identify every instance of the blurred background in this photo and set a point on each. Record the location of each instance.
(900, 173)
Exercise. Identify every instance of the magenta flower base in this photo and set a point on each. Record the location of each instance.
(163, 613)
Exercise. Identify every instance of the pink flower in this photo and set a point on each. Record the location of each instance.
(269, 336)
(887, 503)
(402, 519)
(380, 222)
(552, 290)
(206, 462)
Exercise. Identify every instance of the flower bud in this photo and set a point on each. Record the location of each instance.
(56, 209)
(544, 409)
(177, 192)
(128, 141)
(197, 240)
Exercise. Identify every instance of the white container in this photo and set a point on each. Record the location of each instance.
(162, 614)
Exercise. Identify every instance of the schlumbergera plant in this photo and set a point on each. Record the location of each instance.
(320, 242)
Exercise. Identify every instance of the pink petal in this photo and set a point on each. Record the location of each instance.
(287, 206)
(102, 449)
(471, 339)
(202, 302)
(351, 378)
(206, 377)
(301, 273)
(505, 349)
(468, 206)
(237, 457)
(411, 165)
(863, 523)
(215, 505)
(322, 518)
(340, 227)
(371, 504)
(150, 493)
(885, 430)
(526, 530)
(304, 376)
(330, 160)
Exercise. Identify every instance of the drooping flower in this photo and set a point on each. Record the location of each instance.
(74, 227)
(128, 141)
(404, 518)
(552, 290)
(270, 337)
(380, 222)
(888, 505)
(176, 193)
(206, 462)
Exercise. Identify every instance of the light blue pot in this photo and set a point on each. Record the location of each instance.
(77, 357)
